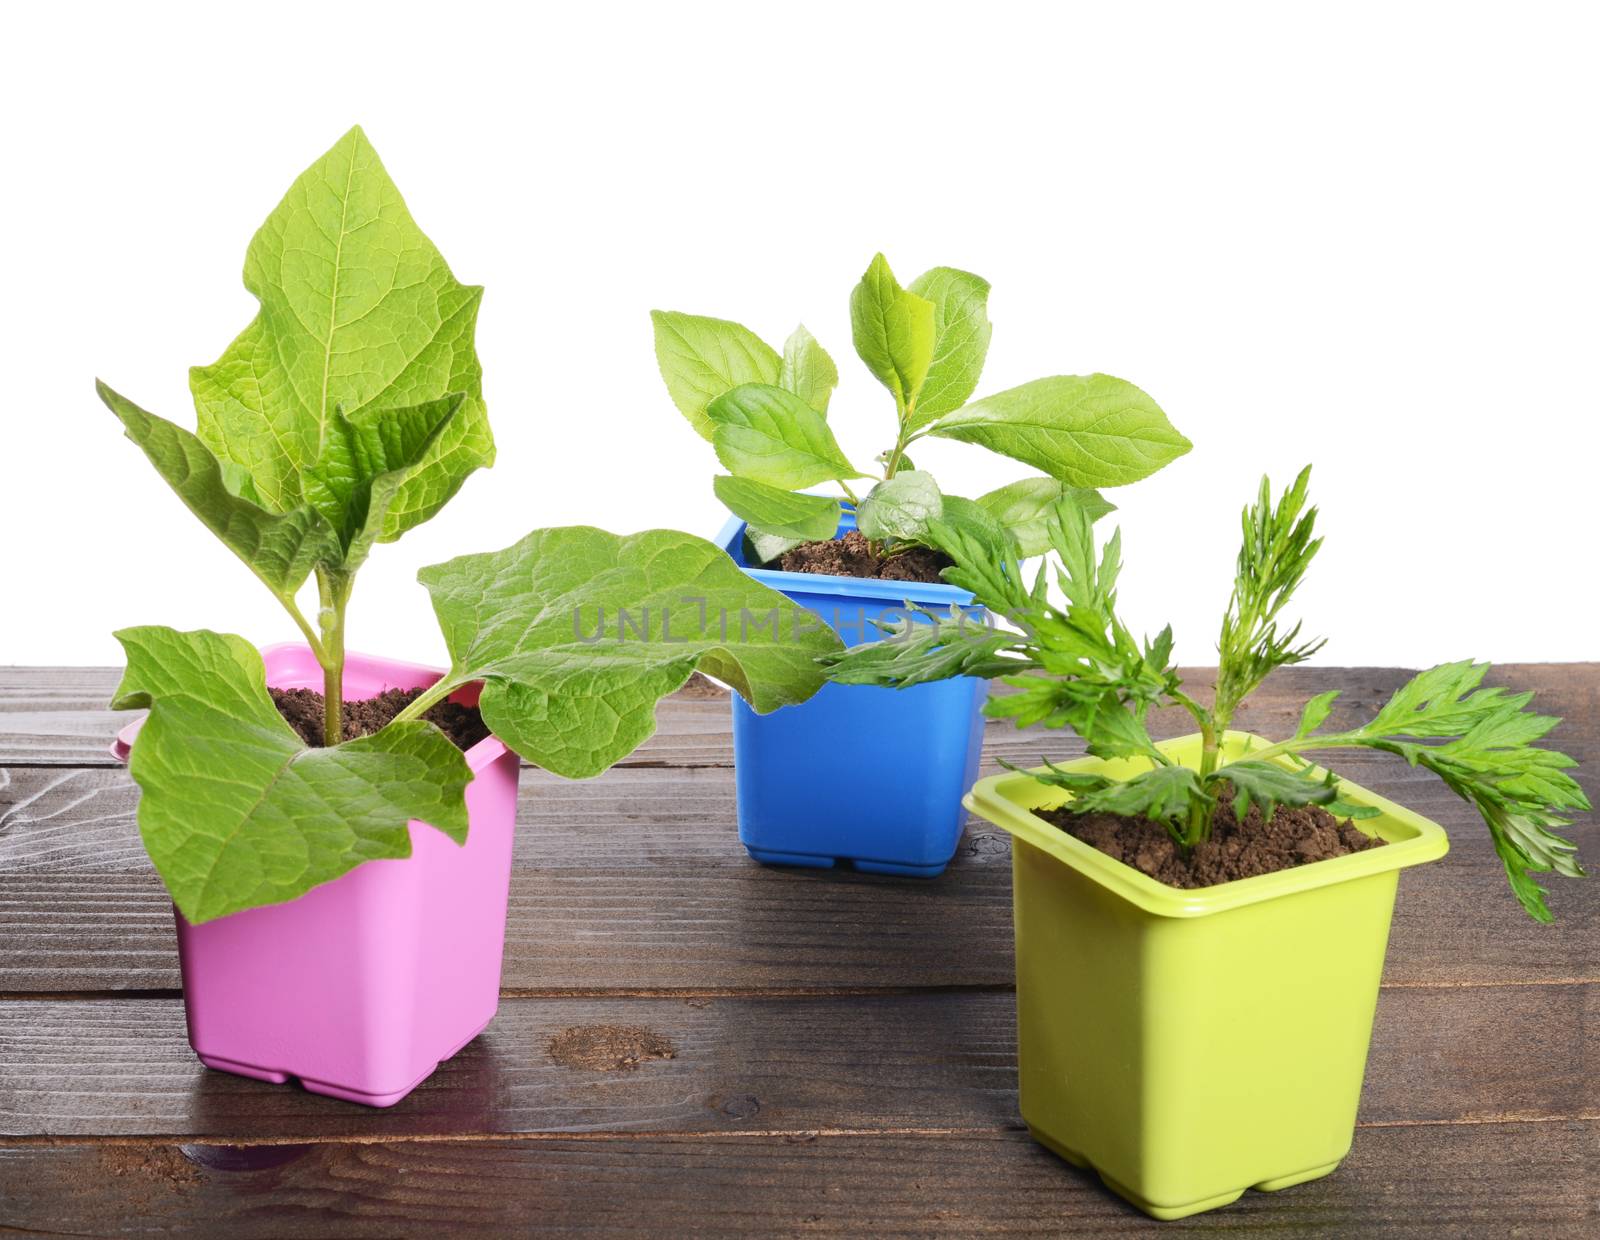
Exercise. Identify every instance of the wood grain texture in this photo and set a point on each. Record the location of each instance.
(636, 880)
(122, 1067)
(842, 1045)
(1413, 1181)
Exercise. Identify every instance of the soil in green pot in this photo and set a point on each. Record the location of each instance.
(1296, 835)
(302, 708)
(853, 556)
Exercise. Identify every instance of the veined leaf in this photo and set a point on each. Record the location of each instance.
(762, 547)
(960, 339)
(1269, 785)
(975, 521)
(769, 435)
(358, 312)
(1086, 431)
(364, 465)
(701, 358)
(280, 548)
(1162, 794)
(779, 512)
(235, 811)
(1024, 508)
(901, 507)
(576, 633)
(807, 370)
(1316, 713)
(894, 333)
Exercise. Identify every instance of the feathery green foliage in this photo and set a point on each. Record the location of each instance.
(1079, 666)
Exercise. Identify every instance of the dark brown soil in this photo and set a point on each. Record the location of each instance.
(853, 556)
(608, 1048)
(1297, 835)
(303, 710)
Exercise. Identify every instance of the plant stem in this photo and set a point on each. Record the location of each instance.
(430, 697)
(846, 488)
(333, 591)
(304, 625)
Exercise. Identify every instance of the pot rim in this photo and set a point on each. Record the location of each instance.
(1008, 801)
(481, 755)
(731, 539)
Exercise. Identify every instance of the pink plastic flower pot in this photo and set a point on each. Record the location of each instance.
(363, 986)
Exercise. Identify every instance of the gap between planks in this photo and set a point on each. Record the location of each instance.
(757, 992)
(687, 1136)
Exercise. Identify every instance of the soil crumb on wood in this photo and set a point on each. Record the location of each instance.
(853, 556)
(609, 1048)
(698, 686)
(1297, 835)
(302, 708)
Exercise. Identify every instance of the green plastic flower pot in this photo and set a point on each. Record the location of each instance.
(1188, 1045)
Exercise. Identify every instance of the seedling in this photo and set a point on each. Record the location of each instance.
(766, 414)
(349, 411)
(1081, 668)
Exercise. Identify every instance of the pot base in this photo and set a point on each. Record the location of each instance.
(275, 1077)
(1183, 1210)
(816, 861)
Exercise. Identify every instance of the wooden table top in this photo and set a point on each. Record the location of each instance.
(690, 1042)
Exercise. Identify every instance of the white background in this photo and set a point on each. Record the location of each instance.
(1363, 237)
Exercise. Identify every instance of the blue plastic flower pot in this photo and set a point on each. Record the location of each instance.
(861, 775)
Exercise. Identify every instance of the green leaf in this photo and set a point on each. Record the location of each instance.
(570, 681)
(764, 548)
(1086, 431)
(365, 463)
(807, 370)
(1269, 785)
(1316, 713)
(894, 332)
(358, 311)
(975, 521)
(901, 507)
(769, 435)
(778, 512)
(280, 548)
(960, 339)
(701, 358)
(235, 811)
(1162, 794)
(1024, 508)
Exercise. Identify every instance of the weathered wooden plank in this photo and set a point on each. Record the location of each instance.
(1489, 1179)
(52, 716)
(57, 716)
(636, 880)
(887, 1062)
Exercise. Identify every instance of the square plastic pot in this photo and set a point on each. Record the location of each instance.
(858, 774)
(360, 988)
(1189, 1044)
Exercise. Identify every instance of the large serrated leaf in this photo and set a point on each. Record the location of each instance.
(235, 811)
(280, 548)
(770, 435)
(1085, 430)
(701, 358)
(359, 312)
(576, 633)
(365, 463)
(960, 340)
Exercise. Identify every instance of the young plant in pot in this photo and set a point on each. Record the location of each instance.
(859, 554)
(341, 890)
(1217, 895)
